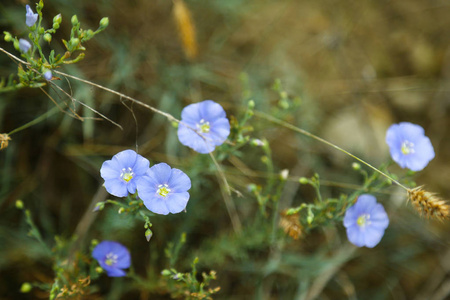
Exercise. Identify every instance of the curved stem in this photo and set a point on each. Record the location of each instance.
(304, 132)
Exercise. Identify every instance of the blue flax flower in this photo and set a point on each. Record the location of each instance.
(164, 189)
(366, 221)
(24, 45)
(206, 118)
(31, 17)
(409, 146)
(122, 171)
(113, 257)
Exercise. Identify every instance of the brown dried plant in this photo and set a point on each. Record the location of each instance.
(428, 204)
(4, 140)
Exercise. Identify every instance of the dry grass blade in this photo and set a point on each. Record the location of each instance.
(428, 204)
(186, 28)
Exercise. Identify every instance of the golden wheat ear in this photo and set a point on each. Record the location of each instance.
(428, 204)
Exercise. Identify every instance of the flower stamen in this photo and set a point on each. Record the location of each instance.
(111, 259)
(363, 220)
(203, 126)
(407, 147)
(127, 174)
(163, 190)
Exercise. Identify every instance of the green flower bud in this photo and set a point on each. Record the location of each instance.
(165, 272)
(74, 20)
(104, 22)
(57, 19)
(16, 45)
(26, 287)
(55, 26)
(41, 30)
(19, 204)
(303, 180)
(251, 104)
(8, 36)
(48, 37)
(148, 234)
(99, 270)
(356, 166)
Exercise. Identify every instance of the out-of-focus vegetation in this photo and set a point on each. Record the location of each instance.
(344, 70)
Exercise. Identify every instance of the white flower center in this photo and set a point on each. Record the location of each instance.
(163, 190)
(363, 220)
(126, 174)
(111, 259)
(407, 147)
(203, 126)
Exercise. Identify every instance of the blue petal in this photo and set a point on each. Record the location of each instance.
(189, 138)
(146, 187)
(177, 202)
(179, 181)
(125, 159)
(355, 236)
(160, 173)
(110, 170)
(115, 272)
(372, 236)
(157, 205)
(210, 110)
(191, 113)
(141, 165)
(220, 130)
(131, 186)
(116, 187)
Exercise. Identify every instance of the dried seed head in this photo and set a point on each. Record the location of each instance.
(428, 205)
(291, 225)
(4, 140)
(186, 28)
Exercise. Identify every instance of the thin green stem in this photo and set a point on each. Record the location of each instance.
(35, 121)
(304, 132)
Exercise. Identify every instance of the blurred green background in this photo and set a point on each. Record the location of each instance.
(352, 67)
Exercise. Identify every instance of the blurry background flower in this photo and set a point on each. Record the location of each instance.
(48, 75)
(208, 119)
(31, 17)
(113, 257)
(121, 172)
(24, 45)
(409, 146)
(164, 190)
(365, 222)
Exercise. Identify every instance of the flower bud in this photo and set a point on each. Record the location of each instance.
(284, 174)
(48, 75)
(104, 22)
(26, 287)
(24, 45)
(19, 204)
(165, 272)
(356, 166)
(251, 104)
(303, 180)
(74, 20)
(8, 36)
(57, 19)
(48, 37)
(148, 234)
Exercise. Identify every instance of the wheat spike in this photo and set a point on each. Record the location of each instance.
(428, 204)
